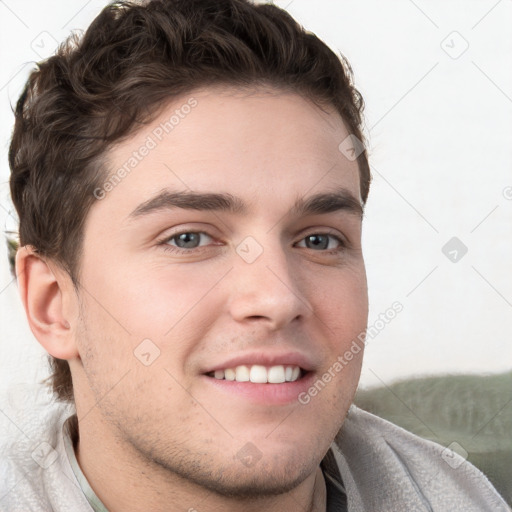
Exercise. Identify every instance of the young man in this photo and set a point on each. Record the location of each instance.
(190, 182)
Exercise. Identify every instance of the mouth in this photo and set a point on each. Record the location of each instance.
(259, 374)
(260, 378)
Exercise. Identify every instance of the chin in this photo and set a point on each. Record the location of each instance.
(255, 482)
(246, 473)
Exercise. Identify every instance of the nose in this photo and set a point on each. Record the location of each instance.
(270, 290)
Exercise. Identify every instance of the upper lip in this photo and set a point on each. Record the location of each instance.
(264, 357)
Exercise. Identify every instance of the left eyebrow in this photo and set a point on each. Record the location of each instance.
(341, 200)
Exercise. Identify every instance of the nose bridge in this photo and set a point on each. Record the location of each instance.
(266, 283)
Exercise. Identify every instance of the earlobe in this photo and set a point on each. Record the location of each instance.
(42, 293)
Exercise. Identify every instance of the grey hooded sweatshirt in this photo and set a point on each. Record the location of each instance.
(373, 466)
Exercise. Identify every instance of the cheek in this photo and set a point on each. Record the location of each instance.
(144, 324)
(343, 305)
(152, 301)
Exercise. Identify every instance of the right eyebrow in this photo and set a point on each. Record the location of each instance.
(206, 201)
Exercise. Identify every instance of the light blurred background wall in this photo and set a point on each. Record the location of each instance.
(437, 81)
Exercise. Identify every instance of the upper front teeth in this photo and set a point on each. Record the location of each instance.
(259, 374)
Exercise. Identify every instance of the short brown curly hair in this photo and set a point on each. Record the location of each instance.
(102, 87)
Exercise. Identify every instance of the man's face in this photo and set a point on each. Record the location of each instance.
(176, 298)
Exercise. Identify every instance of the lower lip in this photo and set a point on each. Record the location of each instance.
(264, 394)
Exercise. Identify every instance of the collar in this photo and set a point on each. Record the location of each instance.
(336, 495)
(70, 435)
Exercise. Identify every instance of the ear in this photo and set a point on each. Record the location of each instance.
(47, 295)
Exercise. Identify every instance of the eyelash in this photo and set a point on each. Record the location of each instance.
(164, 243)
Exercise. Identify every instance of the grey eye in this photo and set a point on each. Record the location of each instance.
(187, 240)
(317, 241)
(320, 242)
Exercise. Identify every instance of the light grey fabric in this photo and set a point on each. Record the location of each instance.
(383, 467)
(35, 473)
(93, 500)
(387, 469)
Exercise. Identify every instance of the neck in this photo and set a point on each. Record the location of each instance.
(123, 481)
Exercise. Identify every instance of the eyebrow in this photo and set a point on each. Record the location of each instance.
(340, 200)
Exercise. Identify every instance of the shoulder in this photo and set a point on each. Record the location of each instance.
(385, 467)
(34, 469)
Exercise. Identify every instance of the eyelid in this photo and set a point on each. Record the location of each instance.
(322, 230)
(342, 242)
(187, 232)
(164, 241)
(194, 227)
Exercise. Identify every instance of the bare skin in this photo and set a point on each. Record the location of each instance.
(157, 430)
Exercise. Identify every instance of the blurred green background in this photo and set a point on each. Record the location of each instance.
(473, 410)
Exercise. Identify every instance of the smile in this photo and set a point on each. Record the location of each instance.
(259, 374)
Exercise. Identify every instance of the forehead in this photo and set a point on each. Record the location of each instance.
(256, 144)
